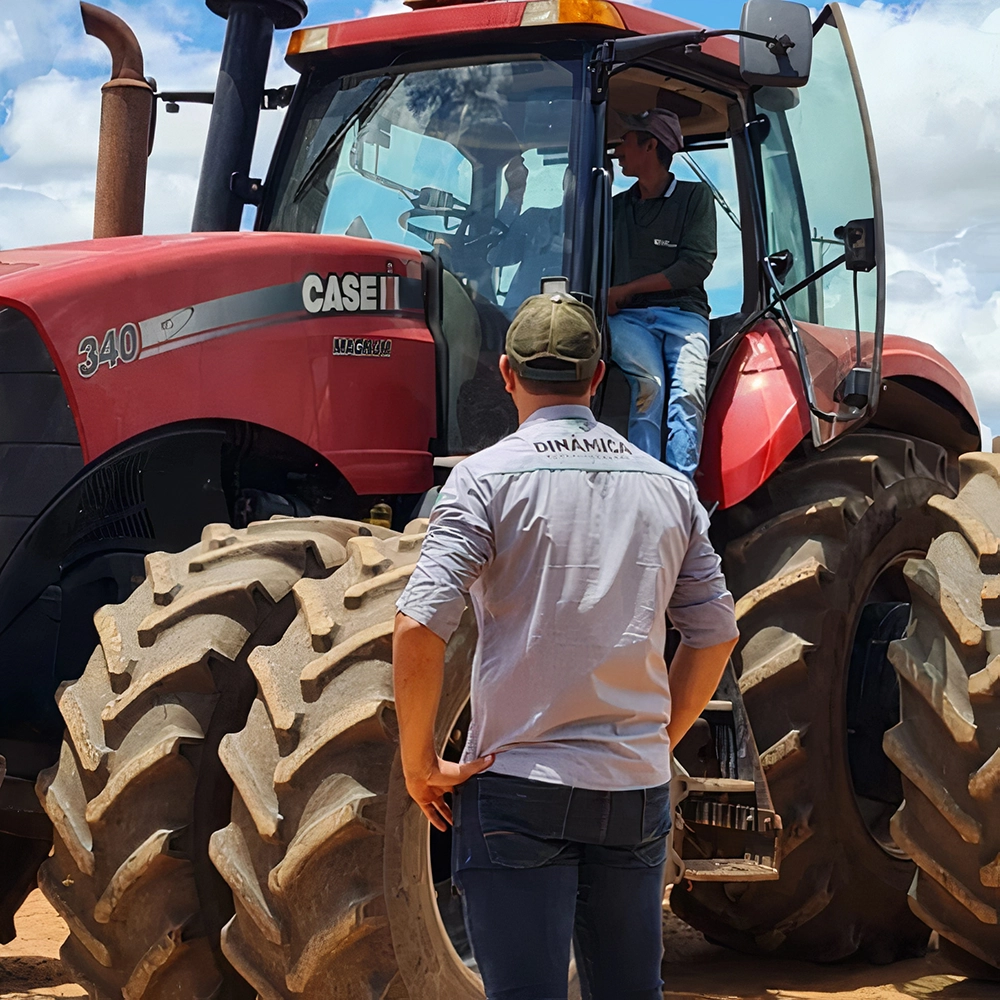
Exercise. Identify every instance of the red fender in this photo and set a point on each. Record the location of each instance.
(756, 417)
(758, 413)
(906, 356)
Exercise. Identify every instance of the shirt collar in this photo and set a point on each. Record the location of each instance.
(666, 194)
(562, 412)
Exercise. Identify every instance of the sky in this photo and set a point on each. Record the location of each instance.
(931, 70)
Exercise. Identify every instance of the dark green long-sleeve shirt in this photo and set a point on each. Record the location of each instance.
(673, 234)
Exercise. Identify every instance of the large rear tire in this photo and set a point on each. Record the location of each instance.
(816, 568)
(326, 855)
(138, 789)
(947, 743)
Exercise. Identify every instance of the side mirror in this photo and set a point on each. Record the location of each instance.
(781, 263)
(781, 54)
(859, 244)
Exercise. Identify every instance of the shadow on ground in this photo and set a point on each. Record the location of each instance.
(29, 966)
(30, 977)
(693, 969)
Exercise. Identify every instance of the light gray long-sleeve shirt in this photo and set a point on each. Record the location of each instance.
(573, 547)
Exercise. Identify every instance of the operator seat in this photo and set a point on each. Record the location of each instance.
(480, 411)
(463, 334)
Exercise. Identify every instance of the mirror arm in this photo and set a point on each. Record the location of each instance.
(780, 296)
(778, 45)
(792, 333)
(636, 49)
(810, 278)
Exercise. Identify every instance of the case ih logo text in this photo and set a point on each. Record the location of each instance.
(340, 293)
(360, 347)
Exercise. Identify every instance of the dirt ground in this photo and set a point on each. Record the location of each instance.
(693, 970)
(29, 965)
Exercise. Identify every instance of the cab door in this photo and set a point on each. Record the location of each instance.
(818, 174)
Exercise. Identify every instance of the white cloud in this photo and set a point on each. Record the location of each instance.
(933, 297)
(55, 178)
(11, 51)
(932, 80)
(52, 74)
(380, 7)
(49, 220)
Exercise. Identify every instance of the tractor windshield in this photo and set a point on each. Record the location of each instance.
(469, 161)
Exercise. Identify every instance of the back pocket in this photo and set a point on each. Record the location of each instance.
(521, 820)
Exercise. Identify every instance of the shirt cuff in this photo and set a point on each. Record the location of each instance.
(709, 624)
(441, 617)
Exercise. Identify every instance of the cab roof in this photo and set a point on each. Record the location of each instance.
(597, 18)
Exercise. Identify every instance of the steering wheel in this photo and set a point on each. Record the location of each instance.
(459, 240)
(460, 253)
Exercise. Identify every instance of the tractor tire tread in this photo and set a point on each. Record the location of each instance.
(121, 797)
(303, 854)
(946, 744)
(794, 553)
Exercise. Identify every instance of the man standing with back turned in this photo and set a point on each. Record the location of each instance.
(573, 546)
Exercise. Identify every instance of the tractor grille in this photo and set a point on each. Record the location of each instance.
(113, 504)
(39, 449)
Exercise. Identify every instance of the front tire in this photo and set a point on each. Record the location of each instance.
(947, 743)
(817, 561)
(136, 792)
(327, 857)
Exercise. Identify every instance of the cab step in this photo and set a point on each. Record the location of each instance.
(729, 870)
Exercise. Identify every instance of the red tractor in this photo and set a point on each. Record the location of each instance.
(212, 731)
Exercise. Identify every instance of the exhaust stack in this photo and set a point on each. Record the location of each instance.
(126, 110)
(236, 108)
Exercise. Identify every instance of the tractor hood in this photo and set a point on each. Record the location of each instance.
(268, 328)
(141, 278)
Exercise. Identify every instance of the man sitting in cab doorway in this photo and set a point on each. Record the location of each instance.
(663, 249)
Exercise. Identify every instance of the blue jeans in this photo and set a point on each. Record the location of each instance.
(539, 866)
(656, 348)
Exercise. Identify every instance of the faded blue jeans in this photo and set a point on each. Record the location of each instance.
(664, 355)
(540, 865)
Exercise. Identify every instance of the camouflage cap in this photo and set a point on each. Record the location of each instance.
(554, 338)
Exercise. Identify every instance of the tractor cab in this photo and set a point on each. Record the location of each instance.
(490, 153)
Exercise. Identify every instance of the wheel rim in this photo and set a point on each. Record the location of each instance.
(439, 858)
(872, 701)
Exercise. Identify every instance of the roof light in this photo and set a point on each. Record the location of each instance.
(569, 11)
(309, 40)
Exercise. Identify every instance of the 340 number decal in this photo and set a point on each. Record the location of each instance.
(118, 345)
